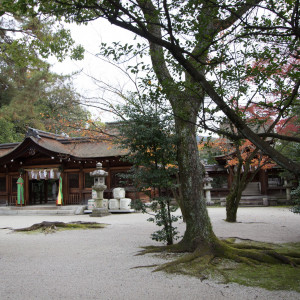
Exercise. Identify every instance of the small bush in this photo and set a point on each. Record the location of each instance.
(296, 197)
(161, 214)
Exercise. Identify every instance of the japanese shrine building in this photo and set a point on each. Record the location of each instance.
(42, 157)
(267, 184)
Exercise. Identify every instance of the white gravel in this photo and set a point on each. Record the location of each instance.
(100, 264)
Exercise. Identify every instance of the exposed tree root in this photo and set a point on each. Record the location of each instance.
(296, 261)
(140, 267)
(296, 255)
(51, 227)
(175, 248)
(246, 246)
(206, 258)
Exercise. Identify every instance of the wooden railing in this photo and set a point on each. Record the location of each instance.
(73, 199)
(12, 200)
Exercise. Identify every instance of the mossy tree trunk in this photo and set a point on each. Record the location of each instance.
(232, 203)
(242, 177)
(198, 231)
(186, 105)
(234, 197)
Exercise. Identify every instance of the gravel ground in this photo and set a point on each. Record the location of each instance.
(101, 264)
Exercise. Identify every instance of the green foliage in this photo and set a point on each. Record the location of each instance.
(148, 135)
(31, 95)
(8, 134)
(60, 110)
(290, 149)
(163, 218)
(27, 36)
(40, 99)
(247, 49)
(296, 197)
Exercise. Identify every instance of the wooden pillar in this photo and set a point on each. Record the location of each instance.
(81, 184)
(26, 188)
(263, 178)
(46, 191)
(108, 178)
(65, 188)
(230, 177)
(7, 187)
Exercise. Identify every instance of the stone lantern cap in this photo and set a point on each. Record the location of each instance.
(207, 182)
(98, 172)
(207, 179)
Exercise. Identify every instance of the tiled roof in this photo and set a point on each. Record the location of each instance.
(75, 147)
(80, 148)
(6, 148)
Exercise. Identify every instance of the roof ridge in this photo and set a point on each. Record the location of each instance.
(37, 133)
(9, 145)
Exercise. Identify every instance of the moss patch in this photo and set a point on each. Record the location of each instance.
(223, 270)
(51, 227)
(271, 277)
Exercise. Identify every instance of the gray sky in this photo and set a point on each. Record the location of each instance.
(91, 36)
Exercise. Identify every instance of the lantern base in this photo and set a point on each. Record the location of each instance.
(100, 212)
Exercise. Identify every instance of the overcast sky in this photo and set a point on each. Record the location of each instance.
(91, 36)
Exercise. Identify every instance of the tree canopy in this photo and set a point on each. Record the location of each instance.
(30, 94)
(189, 40)
(43, 100)
(27, 36)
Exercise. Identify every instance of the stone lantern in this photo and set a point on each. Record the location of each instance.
(99, 187)
(207, 188)
(288, 187)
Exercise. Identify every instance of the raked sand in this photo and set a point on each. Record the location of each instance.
(101, 264)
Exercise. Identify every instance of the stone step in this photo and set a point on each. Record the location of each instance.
(36, 212)
(247, 201)
(89, 211)
(251, 203)
(41, 207)
(252, 189)
(42, 210)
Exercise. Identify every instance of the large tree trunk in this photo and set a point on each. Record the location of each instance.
(239, 184)
(199, 233)
(235, 194)
(232, 204)
(185, 106)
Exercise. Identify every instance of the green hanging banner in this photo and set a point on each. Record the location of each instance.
(20, 199)
(59, 200)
